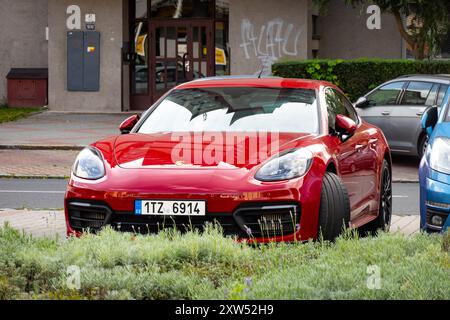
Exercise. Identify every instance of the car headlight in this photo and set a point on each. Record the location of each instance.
(440, 155)
(286, 166)
(89, 164)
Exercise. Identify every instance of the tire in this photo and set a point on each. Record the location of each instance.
(422, 145)
(383, 221)
(334, 214)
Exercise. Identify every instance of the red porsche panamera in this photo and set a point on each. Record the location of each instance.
(268, 159)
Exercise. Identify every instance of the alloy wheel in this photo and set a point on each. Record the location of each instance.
(386, 198)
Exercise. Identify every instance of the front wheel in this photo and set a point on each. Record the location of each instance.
(334, 214)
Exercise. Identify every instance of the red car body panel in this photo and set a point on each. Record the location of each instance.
(132, 173)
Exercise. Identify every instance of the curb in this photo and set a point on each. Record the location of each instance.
(41, 177)
(405, 181)
(41, 147)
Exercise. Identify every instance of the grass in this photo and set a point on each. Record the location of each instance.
(208, 266)
(12, 114)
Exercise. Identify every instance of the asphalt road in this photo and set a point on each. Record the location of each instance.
(49, 194)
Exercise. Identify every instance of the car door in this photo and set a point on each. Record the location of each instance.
(380, 106)
(354, 156)
(405, 118)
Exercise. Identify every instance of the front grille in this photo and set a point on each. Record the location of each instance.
(85, 216)
(267, 220)
(129, 222)
(249, 220)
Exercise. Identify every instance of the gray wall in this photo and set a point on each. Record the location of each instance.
(22, 37)
(109, 23)
(344, 34)
(264, 32)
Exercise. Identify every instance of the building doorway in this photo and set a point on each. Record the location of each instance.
(172, 43)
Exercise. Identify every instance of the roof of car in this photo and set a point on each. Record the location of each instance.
(426, 77)
(248, 81)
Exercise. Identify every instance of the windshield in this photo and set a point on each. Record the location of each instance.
(235, 109)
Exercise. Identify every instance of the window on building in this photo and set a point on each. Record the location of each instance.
(315, 27)
(445, 47)
(175, 9)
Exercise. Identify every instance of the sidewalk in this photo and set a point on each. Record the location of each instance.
(59, 130)
(52, 223)
(36, 163)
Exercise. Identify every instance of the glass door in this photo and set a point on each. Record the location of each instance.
(139, 55)
(182, 52)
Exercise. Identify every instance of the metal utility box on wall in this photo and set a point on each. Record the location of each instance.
(83, 61)
(27, 87)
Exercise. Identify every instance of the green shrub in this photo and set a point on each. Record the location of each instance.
(357, 77)
(170, 265)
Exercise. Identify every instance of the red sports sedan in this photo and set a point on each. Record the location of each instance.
(268, 159)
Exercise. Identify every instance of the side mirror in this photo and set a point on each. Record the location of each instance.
(362, 102)
(430, 119)
(128, 124)
(345, 126)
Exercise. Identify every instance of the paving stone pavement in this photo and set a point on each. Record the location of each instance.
(36, 163)
(52, 223)
(37, 223)
(60, 129)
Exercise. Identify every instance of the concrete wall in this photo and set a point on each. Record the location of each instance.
(22, 37)
(264, 32)
(109, 23)
(344, 34)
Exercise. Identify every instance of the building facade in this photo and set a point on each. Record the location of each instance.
(146, 47)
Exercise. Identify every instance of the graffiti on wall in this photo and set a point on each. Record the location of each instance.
(273, 40)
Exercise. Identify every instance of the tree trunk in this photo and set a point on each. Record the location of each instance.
(418, 49)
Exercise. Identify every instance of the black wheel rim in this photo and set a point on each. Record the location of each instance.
(386, 198)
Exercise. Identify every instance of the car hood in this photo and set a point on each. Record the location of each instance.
(192, 150)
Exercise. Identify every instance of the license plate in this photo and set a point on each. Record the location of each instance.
(170, 208)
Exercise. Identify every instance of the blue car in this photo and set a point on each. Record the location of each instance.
(434, 172)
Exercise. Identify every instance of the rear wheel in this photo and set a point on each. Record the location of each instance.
(334, 213)
(383, 221)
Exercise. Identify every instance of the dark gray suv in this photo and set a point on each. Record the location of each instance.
(396, 108)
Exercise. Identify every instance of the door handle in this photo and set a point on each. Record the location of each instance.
(385, 113)
(419, 114)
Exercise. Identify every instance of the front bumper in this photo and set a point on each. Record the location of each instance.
(434, 201)
(250, 220)
(263, 212)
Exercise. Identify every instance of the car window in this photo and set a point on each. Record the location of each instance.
(442, 91)
(386, 95)
(417, 93)
(235, 109)
(336, 104)
(431, 99)
(350, 110)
